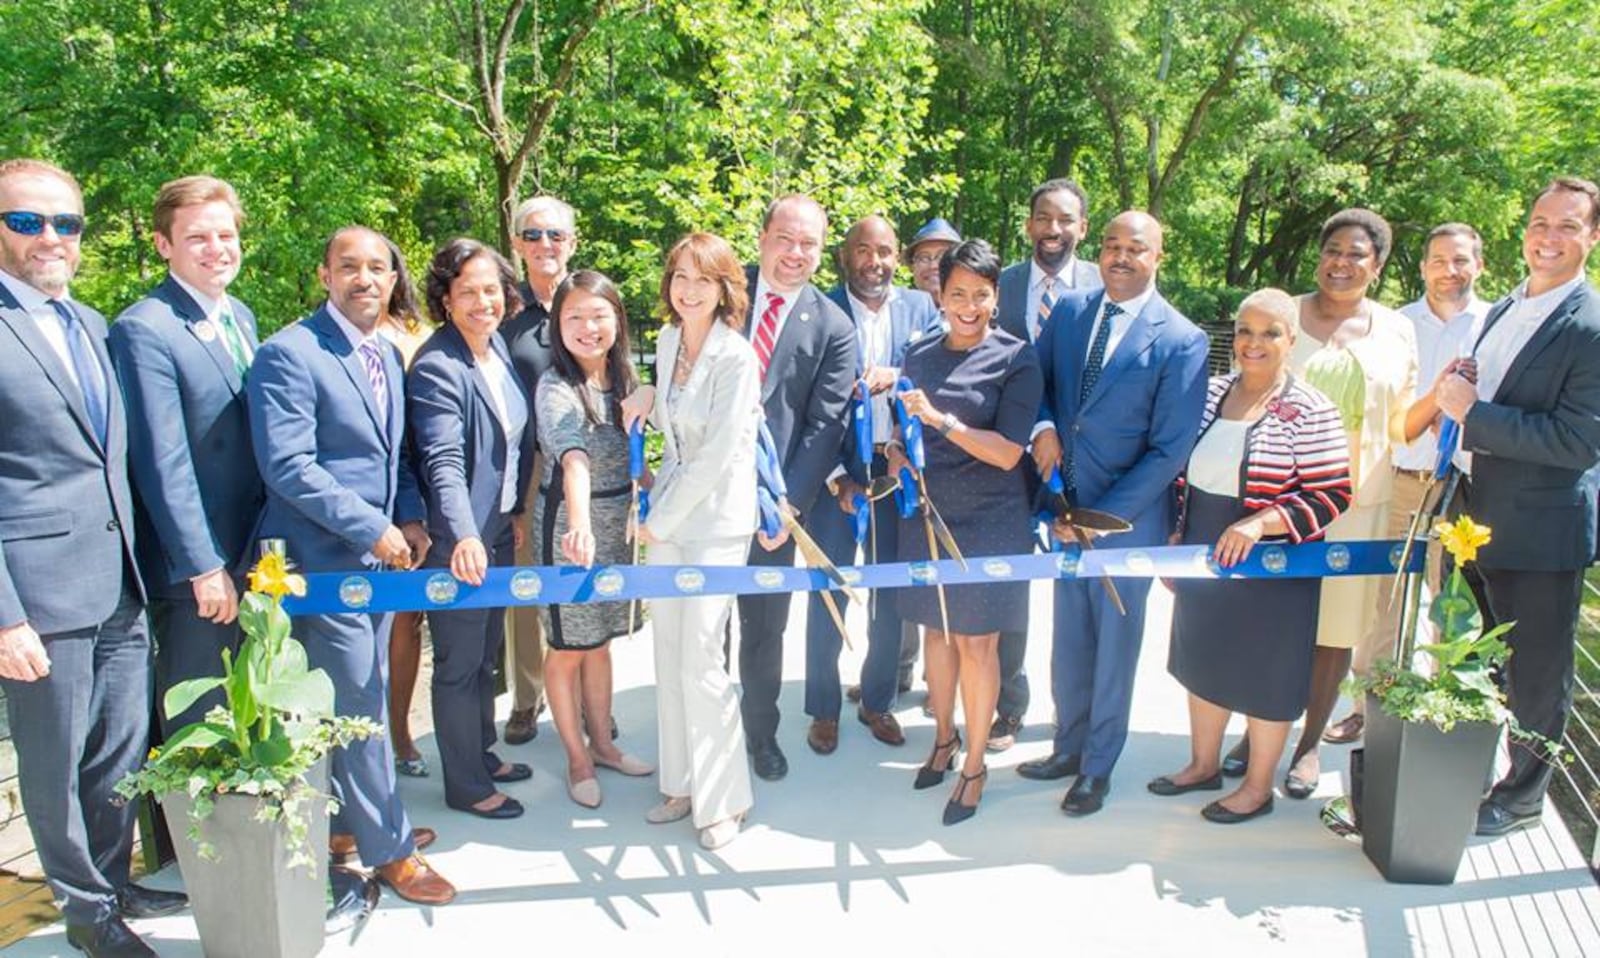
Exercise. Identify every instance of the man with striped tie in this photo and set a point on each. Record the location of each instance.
(183, 353)
(1058, 220)
(806, 346)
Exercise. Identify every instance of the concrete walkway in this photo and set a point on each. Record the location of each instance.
(844, 857)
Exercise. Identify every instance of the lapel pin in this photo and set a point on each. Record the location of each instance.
(205, 330)
(805, 317)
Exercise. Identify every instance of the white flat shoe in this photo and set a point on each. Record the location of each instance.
(627, 765)
(671, 810)
(585, 793)
(718, 834)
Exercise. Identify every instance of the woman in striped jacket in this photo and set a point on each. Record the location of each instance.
(1271, 463)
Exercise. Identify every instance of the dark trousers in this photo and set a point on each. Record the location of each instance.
(466, 645)
(761, 622)
(77, 732)
(353, 648)
(1538, 676)
(1014, 694)
(1093, 662)
(188, 647)
(835, 534)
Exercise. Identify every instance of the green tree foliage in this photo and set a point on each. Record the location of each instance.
(1241, 124)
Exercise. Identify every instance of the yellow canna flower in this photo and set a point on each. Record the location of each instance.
(1462, 538)
(271, 576)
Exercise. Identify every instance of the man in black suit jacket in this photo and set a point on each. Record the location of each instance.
(807, 349)
(1529, 407)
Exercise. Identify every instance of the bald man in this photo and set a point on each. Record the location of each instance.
(1125, 386)
(887, 319)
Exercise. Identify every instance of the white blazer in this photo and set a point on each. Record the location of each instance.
(707, 485)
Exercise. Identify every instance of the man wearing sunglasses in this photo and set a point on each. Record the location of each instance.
(546, 235)
(74, 650)
(182, 354)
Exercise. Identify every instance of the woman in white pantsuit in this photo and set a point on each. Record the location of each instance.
(702, 512)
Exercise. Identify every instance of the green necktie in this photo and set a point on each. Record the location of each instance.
(233, 339)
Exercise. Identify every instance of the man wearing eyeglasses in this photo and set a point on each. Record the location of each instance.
(546, 235)
(183, 354)
(74, 650)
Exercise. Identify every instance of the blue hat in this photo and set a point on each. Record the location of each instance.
(936, 229)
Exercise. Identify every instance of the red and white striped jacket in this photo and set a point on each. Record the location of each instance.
(1297, 458)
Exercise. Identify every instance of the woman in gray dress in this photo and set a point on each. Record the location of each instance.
(977, 392)
(582, 517)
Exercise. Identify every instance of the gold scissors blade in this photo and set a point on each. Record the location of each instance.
(817, 559)
(1396, 585)
(933, 556)
(1111, 587)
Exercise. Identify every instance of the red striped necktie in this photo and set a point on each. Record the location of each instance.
(767, 331)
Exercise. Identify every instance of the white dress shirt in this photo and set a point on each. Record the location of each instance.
(1119, 324)
(1439, 340)
(498, 375)
(875, 338)
(760, 303)
(51, 326)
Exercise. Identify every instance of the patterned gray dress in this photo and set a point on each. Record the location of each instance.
(564, 426)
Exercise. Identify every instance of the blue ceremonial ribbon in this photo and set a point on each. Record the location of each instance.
(770, 486)
(330, 593)
(636, 467)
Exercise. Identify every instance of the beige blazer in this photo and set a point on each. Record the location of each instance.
(707, 485)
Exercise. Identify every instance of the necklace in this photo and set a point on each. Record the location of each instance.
(683, 366)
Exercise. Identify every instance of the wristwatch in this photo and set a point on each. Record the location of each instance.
(948, 423)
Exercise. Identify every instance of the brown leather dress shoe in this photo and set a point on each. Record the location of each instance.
(415, 880)
(823, 736)
(853, 693)
(1346, 730)
(885, 727)
(342, 848)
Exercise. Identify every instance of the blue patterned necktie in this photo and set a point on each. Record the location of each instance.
(1091, 375)
(1097, 351)
(86, 368)
(1047, 302)
(373, 360)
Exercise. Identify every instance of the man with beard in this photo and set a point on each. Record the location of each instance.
(887, 320)
(1058, 220)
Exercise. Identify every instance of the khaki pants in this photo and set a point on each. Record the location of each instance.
(525, 652)
(1379, 641)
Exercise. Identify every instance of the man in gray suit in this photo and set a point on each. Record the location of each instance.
(1058, 220)
(1529, 407)
(182, 354)
(74, 650)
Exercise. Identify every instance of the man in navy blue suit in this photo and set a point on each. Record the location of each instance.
(74, 650)
(887, 319)
(183, 353)
(327, 419)
(1125, 386)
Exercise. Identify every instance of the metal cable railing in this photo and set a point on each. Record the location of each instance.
(1577, 787)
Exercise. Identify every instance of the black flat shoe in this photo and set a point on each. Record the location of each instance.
(1237, 761)
(517, 772)
(137, 901)
(510, 808)
(931, 774)
(1216, 812)
(954, 811)
(1166, 787)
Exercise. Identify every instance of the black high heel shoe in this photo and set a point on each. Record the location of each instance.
(928, 775)
(954, 811)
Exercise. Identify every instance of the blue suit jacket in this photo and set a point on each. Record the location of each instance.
(912, 315)
(66, 511)
(1134, 431)
(461, 447)
(814, 366)
(336, 467)
(1014, 299)
(197, 489)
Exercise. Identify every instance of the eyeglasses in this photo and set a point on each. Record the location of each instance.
(25, 223)
(534, 235)
(926, 259)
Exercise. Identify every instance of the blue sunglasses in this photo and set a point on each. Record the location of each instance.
(25, 223)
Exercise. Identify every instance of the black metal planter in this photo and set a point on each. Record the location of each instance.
(1419, 794)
